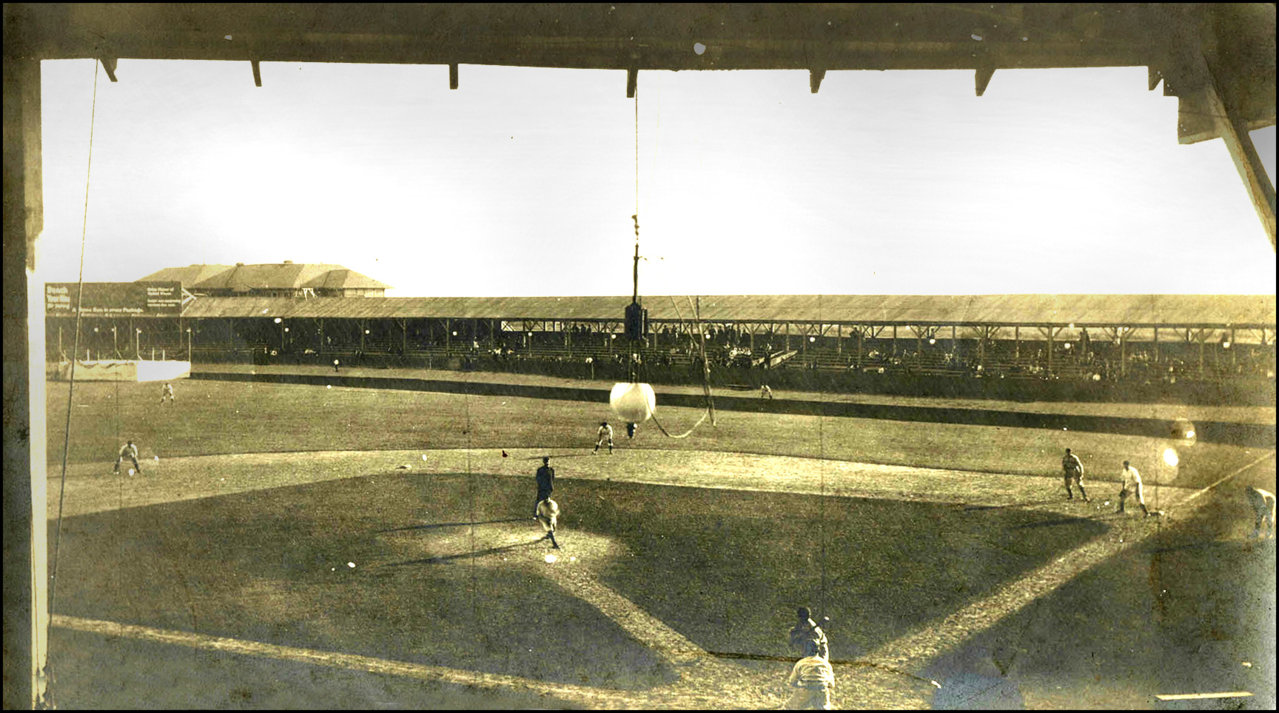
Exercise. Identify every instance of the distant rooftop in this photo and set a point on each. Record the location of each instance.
(246, 280)
(1255, 311)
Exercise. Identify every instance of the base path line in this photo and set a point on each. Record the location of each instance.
(581, 695)
(647, 629)
(1201, 696)
(916, 649)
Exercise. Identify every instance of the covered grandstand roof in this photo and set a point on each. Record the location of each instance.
(1128, 310)
(285, 275)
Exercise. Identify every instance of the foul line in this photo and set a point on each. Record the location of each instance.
(591, 697)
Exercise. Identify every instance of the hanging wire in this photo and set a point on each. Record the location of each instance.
(706, 384)
(821, 453)
(66, 435)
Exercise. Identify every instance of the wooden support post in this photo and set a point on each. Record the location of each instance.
(861, 335)
(1123, 352)
(1016, 343)
(1155, 345)
(1200, 336)
(894, 340)
(448, 335)
(839, 339)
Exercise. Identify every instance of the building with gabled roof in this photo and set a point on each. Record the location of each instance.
(286, 279)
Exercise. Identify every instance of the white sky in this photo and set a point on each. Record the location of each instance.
(522, 181)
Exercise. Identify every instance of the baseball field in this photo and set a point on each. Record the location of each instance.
(300, 546)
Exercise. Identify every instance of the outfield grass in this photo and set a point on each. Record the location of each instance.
(235, 417)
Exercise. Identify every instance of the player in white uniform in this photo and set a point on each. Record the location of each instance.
(605, 434)
(765, 392)
(548, 513)
(811, 678)
(1131, 486)
(166, 393)
(130, 451)
(1073, 471)
(1263, 505)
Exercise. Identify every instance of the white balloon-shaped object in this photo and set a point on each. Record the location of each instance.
(633, 403)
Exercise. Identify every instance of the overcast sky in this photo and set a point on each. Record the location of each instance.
(523, 181)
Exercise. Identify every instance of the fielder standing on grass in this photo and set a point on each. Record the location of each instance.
(130, 451)
(1131, 486)
(545, 483)
(811, 680)
(1073, 470)
(605, 434)
(1263, 505)
(166, 393)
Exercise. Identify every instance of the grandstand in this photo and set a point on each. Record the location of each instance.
(846, 342)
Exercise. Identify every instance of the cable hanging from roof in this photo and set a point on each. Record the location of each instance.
(635, 402)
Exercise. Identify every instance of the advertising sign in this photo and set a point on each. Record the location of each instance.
(114, 299)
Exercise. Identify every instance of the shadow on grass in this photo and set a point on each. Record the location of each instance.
(1010, 506)
(1049, 523)
(444, 559)
(267, 566)
(733, 565)
(1191, 610)
(436, 526)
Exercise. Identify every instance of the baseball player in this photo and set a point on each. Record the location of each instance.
(548, 512)
(806, 630)
(545, 483)
(1131, 486)
(1073, 470)
(811, 678)
(166, 393)
(1263, 504)
(130, 451)
(765, 392)
(605, 433)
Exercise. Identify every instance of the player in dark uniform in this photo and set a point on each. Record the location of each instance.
(806, 629)
(545, 482)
